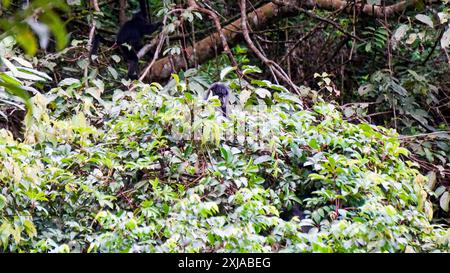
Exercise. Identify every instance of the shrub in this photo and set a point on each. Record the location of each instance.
(153, 178)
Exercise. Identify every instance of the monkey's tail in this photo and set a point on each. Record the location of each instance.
(96, 44)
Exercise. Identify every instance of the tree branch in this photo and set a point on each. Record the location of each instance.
(274, 67)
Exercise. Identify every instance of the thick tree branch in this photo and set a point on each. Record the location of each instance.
(205, 48)
(229, 34)
(367, 9)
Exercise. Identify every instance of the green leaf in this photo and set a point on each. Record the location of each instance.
(425, 19)
(244, 96)
(189, 97)
(113, 72)
(445, 40)
(18, 91)
(52, 20)
(226, 71)
(390, 210)
(70, 82)
(5, 3)
(444, 201)
(263, 93)
(40, 76)
(262, 159)
(27, 40)
(313, 143)
(248, 69)
(2, 201)
(131, 224)
(30, 229)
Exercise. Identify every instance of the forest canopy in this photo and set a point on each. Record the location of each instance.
(328, 133)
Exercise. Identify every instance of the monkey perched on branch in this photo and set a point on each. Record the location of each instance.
(129, 38)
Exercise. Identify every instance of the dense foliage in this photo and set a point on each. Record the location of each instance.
(350, 154)
(209, 184)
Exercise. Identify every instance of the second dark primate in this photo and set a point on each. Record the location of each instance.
(288, 214)
(223, 92)
(296, 210)
(130, 35)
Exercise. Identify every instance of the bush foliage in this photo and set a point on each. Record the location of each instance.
(163, 171)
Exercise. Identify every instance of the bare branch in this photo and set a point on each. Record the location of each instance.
(193, 4)
(274, 67)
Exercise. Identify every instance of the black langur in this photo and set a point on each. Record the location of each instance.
(129, 38)
(288, 214)
(223, 92)
(130, 35)
(296, 210)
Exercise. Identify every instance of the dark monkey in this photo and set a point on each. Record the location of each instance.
(223, 92)
(129, 38)
(288, 214)
(295, 210)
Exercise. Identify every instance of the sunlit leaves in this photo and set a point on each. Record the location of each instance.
(424, 19)
(268, 84)
(444, 201)
(69, 82)
(250, 69)
(445, 40)
(226, 71)
(399, 33)
(151, 179)
(25, 33)
(262, 159)
(3, 201)
(27, 40)
(13, 87)
(113, 72)
(41, 30)
(5, 3)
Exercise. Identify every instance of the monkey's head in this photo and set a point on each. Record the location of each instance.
(140, 16)
(222, 91)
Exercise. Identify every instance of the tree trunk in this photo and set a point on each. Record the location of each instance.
(205, 49)
(377, 11)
